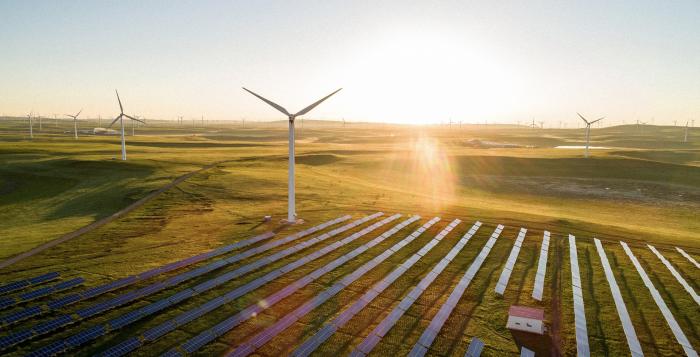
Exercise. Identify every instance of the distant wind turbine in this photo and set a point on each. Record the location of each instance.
(685, 139)
(588, 130)
(75, 123)
(31, 131)
(120, 117)
(291, 213)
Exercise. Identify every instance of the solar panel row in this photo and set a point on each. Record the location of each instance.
(627, 327)
(101, 289)
(162, 304)
(670, 320)
(21, 284)
(282, 324)
(582, 347)
(687, 256)
(186, 317)
(366, 346)
(48, 326)
(9, 301)
(428, 336)
(312, 343)
(475, 348)
(233, 321)
(538, 290)
(525, 352)
(510, 263)
(676, 275)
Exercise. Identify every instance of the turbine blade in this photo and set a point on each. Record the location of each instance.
(584, 119)
(599, 119)
(312, 106)
(271, 103)
(121, 109)
(114, 121)
(76, 116)
(132, 118)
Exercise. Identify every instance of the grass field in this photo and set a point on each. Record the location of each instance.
(644, 187)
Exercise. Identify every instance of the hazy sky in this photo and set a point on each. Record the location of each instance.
(422, 61)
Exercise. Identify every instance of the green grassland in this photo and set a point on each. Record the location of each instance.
(644, 188)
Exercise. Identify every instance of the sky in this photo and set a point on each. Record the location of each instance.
(397, 61)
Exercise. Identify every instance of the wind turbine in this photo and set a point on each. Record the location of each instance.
(291, 212)
(31, 131)
(685, 139)
(120, 117)
(75, 123)
(588, 130)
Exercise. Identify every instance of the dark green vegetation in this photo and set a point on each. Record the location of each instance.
(645, 188)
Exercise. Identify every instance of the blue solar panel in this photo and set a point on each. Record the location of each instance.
(85, 336)
(13, 339)
(44, 278)
(123, 348)
(197, 342)
(50, 350)
(66, 300)
(47, 326)
(7, 302)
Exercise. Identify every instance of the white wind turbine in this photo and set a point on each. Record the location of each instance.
(588, 130)
(685, 139)
(120, 117)
(31, 130)
(75, 123)
(291, 212)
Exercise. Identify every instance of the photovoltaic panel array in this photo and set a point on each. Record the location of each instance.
(510, 263)
(428, 336)
(312, 343)
(366, 346)
(9, 301)
(153, 334)
(96, 291)
(582, 347)
(282, 324)
(209, 335)
(150, 309)
(627, 327)
(21, 284)
(84, 313)
(687, 256)
(475, 348)
(538, 290)
(670, 320)
(676, 275)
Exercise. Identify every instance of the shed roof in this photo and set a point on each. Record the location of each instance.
(526, 312)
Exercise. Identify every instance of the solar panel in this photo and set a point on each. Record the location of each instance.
(676, 274)
(582, 347)
(687, 256)
(670, 320)
(538, 290)
(627, 327)
(199, 311)
(475, 348)
(508, 269)
(18, 285)
(322, 335)
(311, 304)
(426, 340)
(153, 288)
(524, 352)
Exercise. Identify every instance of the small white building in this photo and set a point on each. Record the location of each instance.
(528, 319)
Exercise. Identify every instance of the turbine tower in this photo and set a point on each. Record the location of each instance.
(685, 139)
(291, 212)
(31, 131)
(75, 123)
(120, 117)
(588, 130)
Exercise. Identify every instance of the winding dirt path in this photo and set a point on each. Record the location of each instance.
(101, 222)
